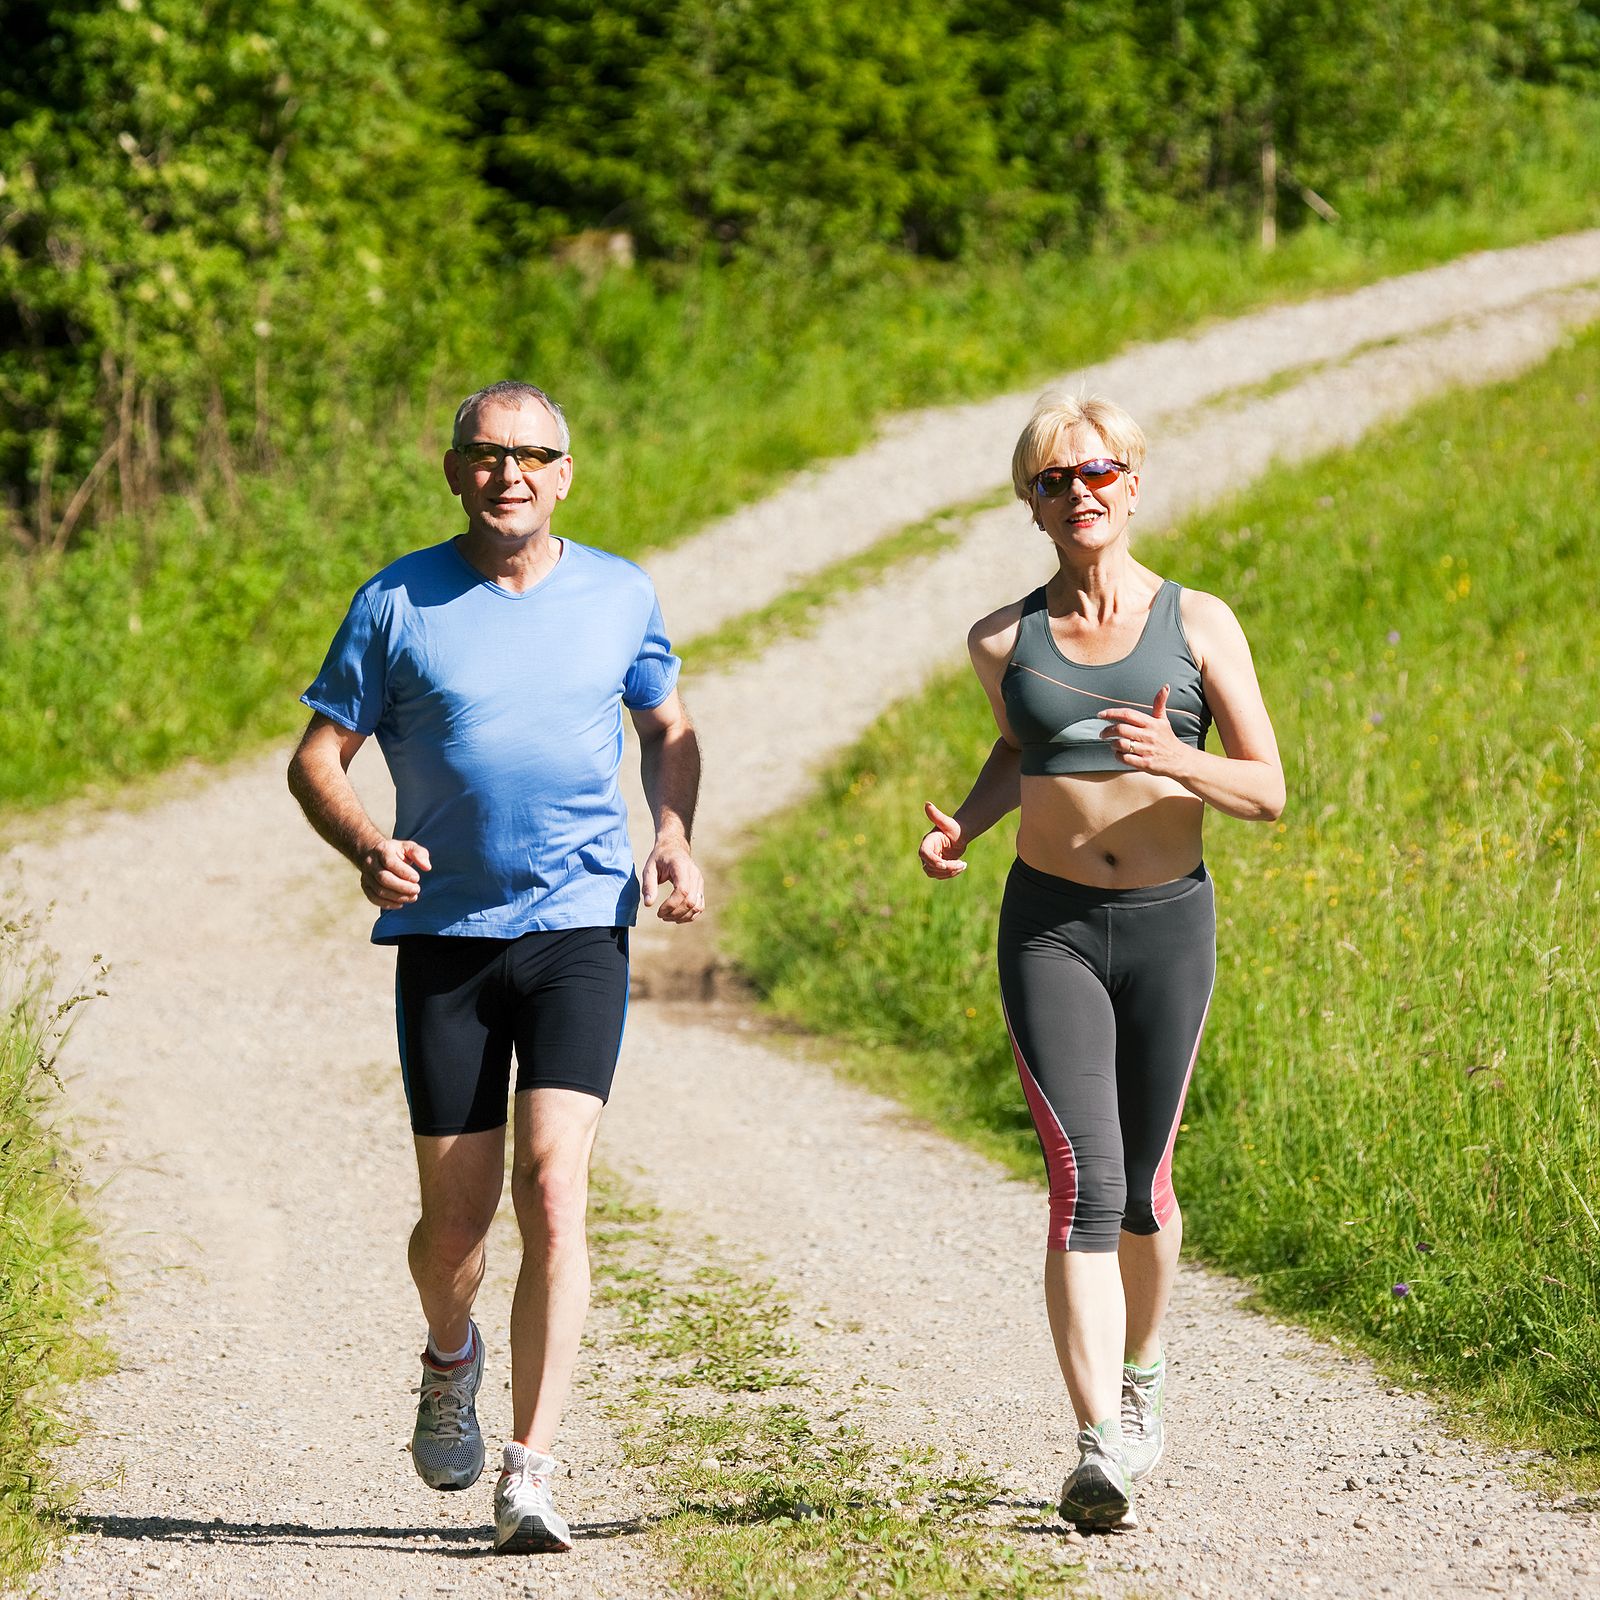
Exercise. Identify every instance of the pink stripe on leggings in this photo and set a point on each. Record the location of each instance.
(1059, 1161)
(1163, 1202)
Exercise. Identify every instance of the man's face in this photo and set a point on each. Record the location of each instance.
(505, 503)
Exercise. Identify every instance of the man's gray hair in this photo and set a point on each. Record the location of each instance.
(507, 393)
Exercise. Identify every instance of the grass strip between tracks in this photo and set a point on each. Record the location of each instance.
(773, 1489)
(47, 1259)
(1394, 1130)
(798, 611)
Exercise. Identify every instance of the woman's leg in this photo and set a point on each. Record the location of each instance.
(1161, 991)
(1148, 1264)
(1083, 1296)
(1063, 1035)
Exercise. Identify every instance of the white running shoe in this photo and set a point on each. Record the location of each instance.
(525, 1519)
(1143, 1436)
(447, 1447)
(1096, 1494)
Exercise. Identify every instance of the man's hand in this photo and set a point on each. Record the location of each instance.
(671, 862)
(942, 845)
(391, 872)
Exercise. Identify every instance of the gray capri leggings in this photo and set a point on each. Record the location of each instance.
(1105, 994)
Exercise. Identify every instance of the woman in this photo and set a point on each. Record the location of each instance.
(1103, 683)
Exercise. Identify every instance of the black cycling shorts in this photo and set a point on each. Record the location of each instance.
(558, 998)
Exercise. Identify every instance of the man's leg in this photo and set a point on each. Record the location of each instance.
(555, 1131)
(460, 1176)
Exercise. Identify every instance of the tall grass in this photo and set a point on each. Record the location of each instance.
(46, 1261)
(189, 633)
(1395, 1126)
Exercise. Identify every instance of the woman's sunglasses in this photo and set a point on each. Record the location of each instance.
(1097, 474)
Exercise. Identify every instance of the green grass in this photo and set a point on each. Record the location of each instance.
(1401, 1079)
(785, 1496)
(189, 633)
(47, 1262)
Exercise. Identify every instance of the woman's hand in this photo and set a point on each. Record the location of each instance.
(1145, 739)
(941, 847)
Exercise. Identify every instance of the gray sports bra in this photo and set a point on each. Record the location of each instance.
(1053, 703)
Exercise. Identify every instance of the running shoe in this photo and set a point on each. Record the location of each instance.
(525, 1519)
(1096, 1494)
(1143, 1391)
(447, 1448)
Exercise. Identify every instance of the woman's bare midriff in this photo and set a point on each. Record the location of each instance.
(1111, 830)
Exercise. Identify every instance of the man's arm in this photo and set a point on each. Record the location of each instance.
(319, 780)
(669, 763)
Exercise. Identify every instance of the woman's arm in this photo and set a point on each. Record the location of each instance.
(997, 790)
(1246, 782)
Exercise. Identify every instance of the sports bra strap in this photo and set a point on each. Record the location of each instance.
(1035, 616)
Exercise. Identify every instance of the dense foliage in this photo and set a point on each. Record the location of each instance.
(221, 222)
(214, 218)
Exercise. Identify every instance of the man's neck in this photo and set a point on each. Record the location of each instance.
(517, 567)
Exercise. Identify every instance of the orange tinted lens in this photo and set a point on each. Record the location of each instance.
(1052, 481)
(1097, 474)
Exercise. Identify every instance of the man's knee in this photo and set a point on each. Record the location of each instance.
(551, 1199)
(452, 1231)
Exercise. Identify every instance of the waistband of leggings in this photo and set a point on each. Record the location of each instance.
(1086, 894)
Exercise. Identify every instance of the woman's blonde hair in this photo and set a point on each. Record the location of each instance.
(1057, 415)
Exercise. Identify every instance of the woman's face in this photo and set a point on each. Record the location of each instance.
(1082, 520)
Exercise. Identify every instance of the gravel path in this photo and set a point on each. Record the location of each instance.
(238, 1104)
(927, 460)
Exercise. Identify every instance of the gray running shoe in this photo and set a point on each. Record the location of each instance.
(525, 1519)
(1142, 1433)
(447, 1448)
(1096, 1494)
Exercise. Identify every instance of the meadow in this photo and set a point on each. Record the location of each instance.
(187, 631)
(1394, 1129)
(47, 1258)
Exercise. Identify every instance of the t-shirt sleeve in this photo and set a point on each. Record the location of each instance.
(654, 672)
(353, 686)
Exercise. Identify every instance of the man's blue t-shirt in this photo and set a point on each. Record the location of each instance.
(500, 716)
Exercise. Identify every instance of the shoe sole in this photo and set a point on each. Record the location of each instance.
(453, 1486)
(1104, 1505)
(532, 1536)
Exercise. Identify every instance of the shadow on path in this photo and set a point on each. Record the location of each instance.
(456, 1542)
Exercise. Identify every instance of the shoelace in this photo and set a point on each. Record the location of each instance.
(1091, 1444)
(1137, 1408)
(524, 1474)
(448, 1402)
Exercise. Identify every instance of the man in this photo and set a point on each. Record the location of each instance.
(493, 669)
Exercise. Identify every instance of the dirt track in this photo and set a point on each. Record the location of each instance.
(238, 1104)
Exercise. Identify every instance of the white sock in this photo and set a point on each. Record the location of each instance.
(440, 1359)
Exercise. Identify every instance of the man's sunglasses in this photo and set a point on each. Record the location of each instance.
(529, 457)
(1097, 474)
